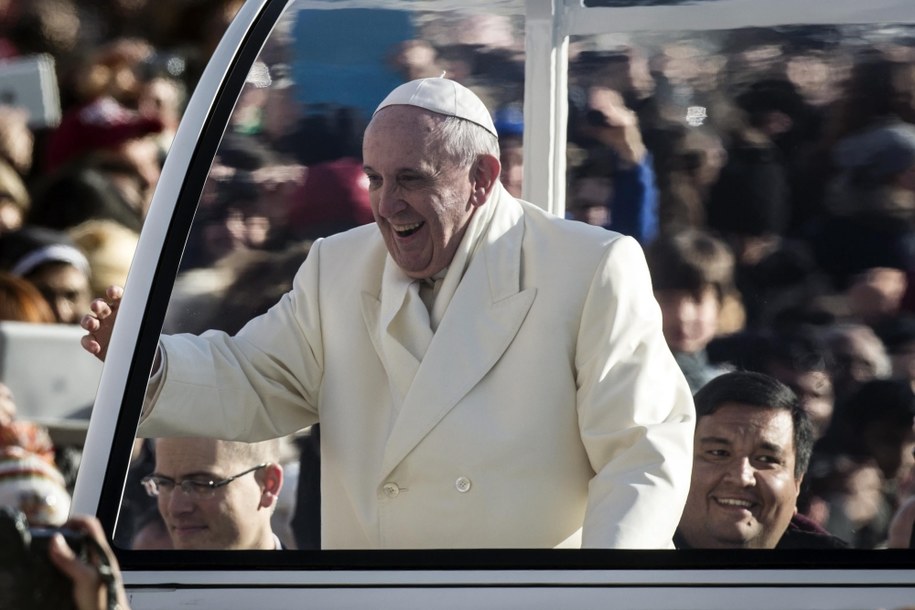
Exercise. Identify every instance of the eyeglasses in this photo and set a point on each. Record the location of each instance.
(155, 484)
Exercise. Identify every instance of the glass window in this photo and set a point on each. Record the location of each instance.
(733, 131)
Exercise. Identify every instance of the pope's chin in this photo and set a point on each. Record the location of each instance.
(415, 267)
(411, 255)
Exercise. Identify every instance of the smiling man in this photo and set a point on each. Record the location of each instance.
(752, 446)
(216, 494)
(485, 374)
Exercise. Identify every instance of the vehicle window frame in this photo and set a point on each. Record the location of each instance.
(142, 335)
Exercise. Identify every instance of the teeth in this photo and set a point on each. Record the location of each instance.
(405, 228)
(734, 502)
(404, 231)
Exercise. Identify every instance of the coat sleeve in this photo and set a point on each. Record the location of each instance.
(635, 410)
(262, 383)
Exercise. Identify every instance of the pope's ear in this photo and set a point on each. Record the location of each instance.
(485, 176)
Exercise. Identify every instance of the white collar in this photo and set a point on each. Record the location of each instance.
(470, 243)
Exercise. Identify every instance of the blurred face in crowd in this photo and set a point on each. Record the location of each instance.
(512, 158)
(859, 356)
(162, 98)
(421, 199)
(877, 293)
(10, 215)
(690, 320)
(143, 154)
(16, 138)
(744, 489)
(589, 198)
(66, 289)
(892, 447)
(232, 516)
(815, 391)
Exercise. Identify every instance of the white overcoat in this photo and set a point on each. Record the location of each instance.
(547, 410)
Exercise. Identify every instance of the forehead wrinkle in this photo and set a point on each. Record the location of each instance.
(409, 123)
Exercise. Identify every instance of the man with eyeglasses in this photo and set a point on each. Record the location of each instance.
(216, 494)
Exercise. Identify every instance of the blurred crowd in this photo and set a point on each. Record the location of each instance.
(782, 233)
(769, 175)
(76, 180)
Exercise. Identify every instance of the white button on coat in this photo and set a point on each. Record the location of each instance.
(462, 484)
(391, 490)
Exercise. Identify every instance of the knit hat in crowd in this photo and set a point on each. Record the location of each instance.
(34, 487)
(102, 124)
(29, 437)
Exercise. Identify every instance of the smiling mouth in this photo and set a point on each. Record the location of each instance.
(735, 503)
(407, 230)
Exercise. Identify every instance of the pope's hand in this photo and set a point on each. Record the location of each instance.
(99, 322)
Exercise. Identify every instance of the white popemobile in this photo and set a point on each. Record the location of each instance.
(331, 58)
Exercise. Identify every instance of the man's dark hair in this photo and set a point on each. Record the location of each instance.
(692, 260)
(756, 390)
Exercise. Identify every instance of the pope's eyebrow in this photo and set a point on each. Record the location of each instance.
(424, 171)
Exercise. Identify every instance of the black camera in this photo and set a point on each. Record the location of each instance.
(28, 579)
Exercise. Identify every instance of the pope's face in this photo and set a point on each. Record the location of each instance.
(421, 199)
(743, 491)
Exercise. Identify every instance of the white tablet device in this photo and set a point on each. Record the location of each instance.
(52, 378)
(30, 82)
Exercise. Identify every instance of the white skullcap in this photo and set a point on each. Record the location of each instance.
(442, 96)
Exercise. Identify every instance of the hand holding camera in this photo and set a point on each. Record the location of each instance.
(59, 568)
(95, 575)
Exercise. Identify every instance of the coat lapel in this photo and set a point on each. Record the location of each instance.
(482, 319)
(379, 314)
